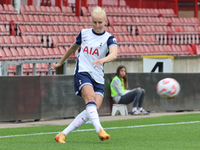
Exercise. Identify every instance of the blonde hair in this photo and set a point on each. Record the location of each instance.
(98, 10)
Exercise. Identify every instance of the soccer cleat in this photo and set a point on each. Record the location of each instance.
(60, 138)
(103, 135)
(136, 113)
(144, 112)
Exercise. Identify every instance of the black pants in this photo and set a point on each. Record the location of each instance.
(133, 96)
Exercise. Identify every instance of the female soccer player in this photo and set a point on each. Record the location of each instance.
(121, 95)
(96, 48)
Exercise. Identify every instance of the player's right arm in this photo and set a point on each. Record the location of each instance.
(71, 50)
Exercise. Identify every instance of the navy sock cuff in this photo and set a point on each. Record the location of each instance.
(91, 103)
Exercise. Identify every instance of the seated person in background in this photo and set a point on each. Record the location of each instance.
(121, 95)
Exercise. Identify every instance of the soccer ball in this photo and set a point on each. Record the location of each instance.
(168, 88)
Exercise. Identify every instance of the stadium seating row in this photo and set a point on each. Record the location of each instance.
(45, 20)
(42, 69)
(152, 34)
(57, 41)
(154, 30)
(49, 30)
(121, 40)
(85, 20)
(111, 11)
(139, 21)
(171, 34)
(17, 41)
(7, 9)
(136, 40)
(66, 30)
(136, 51)
(46, 10)
(37, 53)
(126, 11)
(106, 3)
(110, 3)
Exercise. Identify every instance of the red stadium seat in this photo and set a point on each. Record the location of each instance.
(28, 30)
(67, 10)
(63, 20)
(3, 30)
(56, 30)
(56, 52)
(62, 50)
(14, 41)
(3, 55)
(40, 53)
(2, 10)
(62, 30)
(61, 41)
(7, 41)
(26, 41)
(20, 52)
(55, 41)
(50, 30)
(9, 9)
(20, 41)
(46, 53)
(15, 53)
(84, 11)
(9, 54)
(28, 54)
(132, 51)
(39, 10)
(34, 53)
(26, 19)
(44, 10)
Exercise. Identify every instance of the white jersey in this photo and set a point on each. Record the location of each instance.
(93, 46)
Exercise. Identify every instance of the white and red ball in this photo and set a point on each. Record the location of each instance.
(168, 88)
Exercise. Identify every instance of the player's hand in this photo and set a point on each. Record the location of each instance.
(55, 66)
(98, 62)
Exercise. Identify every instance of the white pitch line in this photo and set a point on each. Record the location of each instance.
(137, 126)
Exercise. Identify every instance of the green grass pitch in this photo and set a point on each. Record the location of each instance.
(178, 132)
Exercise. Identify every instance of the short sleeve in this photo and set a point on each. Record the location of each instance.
(78, 39)
(111, 41)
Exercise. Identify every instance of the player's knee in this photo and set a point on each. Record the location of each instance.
(91, 99)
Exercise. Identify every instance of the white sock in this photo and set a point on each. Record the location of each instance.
(140, 108)
(93, 115)
(134, 109)
(77, 122)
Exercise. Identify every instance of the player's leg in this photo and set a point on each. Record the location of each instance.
(82, 117)
(77, 122)
(102, 134)
(99, 100)
(90, 99)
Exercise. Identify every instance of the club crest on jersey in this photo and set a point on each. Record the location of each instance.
(114, 40)
(91, 51)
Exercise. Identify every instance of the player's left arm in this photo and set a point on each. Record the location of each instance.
(112, 44)
(110, 57)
